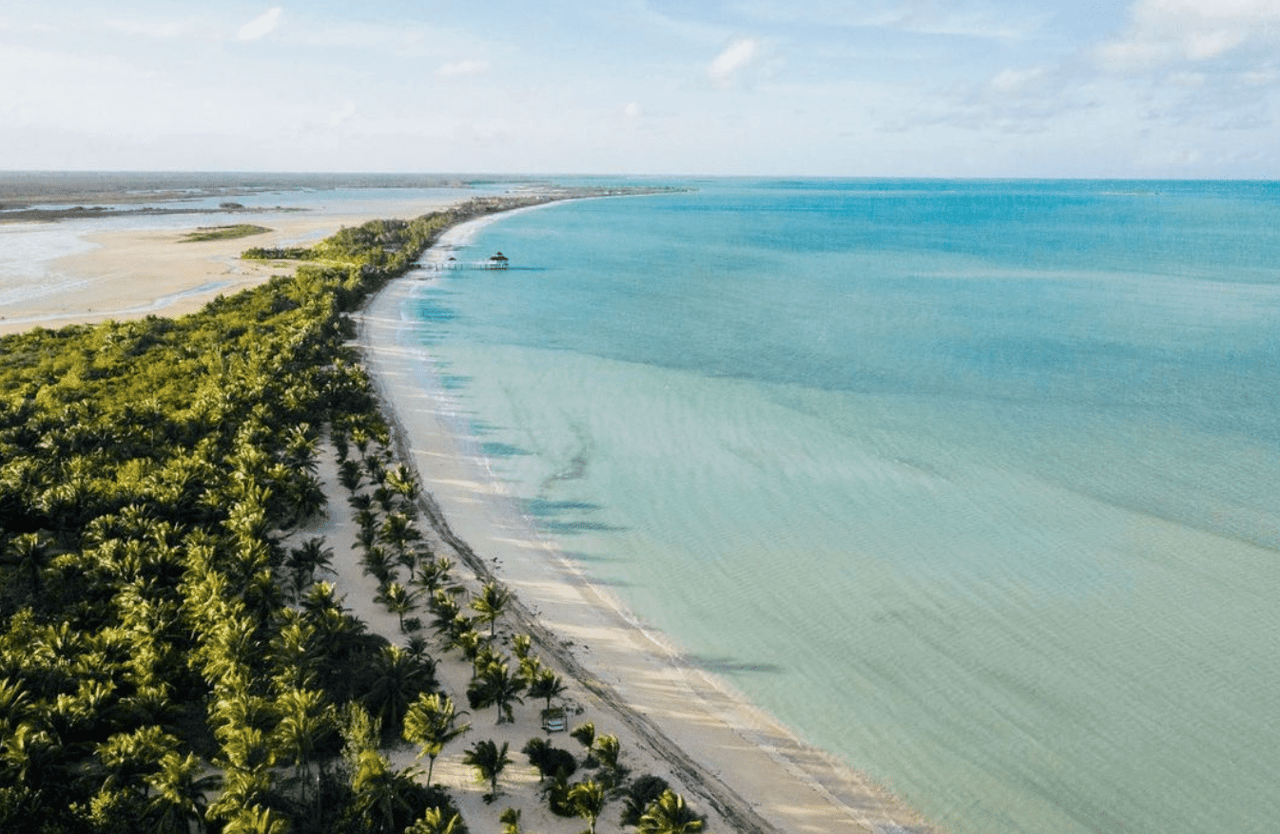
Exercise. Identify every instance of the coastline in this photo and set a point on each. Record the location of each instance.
(132, 273)
(729, 756)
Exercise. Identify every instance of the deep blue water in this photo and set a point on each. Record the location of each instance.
(975, 484)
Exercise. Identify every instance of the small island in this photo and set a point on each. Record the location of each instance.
(239, 230)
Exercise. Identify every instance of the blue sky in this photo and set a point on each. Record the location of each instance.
(971, 88)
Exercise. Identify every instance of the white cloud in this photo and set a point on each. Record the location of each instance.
(261, 25)
(1161, 32)
(633, 110)
(733, 59)
(458, 69)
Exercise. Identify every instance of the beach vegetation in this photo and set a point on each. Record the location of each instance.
(431, 723)
(489, 761)
(510, 820)
(587, 798)
(238, 230)
(396, 681)
(549, 760)
(437, 821)
(490, 604)
(546, 684)
(668, 814)
(585, 734)
(608, 752)
(639, 794)
(494, 685)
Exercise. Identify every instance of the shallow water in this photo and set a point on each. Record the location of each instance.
(976, 485)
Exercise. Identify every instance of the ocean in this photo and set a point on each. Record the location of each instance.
(975, 485)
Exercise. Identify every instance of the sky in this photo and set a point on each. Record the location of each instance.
(968, 88)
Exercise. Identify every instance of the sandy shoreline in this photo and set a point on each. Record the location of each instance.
(728, 754)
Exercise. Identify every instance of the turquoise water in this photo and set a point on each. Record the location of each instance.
(974, 484)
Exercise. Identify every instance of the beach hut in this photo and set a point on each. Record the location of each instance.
(497, 261)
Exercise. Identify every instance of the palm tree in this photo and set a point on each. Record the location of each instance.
(35, 760)
(243, 789)
(310, 556)
(398, 531)
(306, 496)
(417, 647)
(431, 722)
(305, 716)
(400, 480)
(669, 815)
(607, 751)
(494, 684)
(14, 702)
(397, 600)
(434, 821)
(179, 795)
(27, 552)
(510, 820)
(377, 562)
(446, 611)
(585, 734)
(256, 819)
(381, 495)
(320, 597)
(587, 798)
(351, 476)
(130, 756)
(547, 685)
(489, 761)
(490, 604)
(300, 447)
(473, 643)
(397, 681)
(380, 802)
(433, 573)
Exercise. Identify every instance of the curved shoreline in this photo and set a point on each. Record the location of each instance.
(754, 772)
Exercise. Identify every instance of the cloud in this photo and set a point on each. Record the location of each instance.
(633, 110)
(1016, 101)
(461, 69)
(734, 59)
(261, 25)
(1162, 32)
